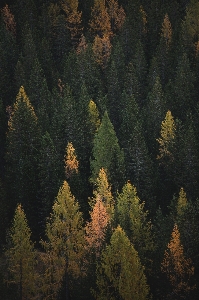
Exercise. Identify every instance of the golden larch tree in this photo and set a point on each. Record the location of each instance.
(102, 50)
(96, 227)
(73, 20)
(178, 269)
(117, 15)
(71, 162)
(103, 190)
(65, 243)
(167, 133)
(100, 23)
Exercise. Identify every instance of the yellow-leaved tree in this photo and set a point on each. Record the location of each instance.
(120, 274)
(102, 189)
(64, 246)
(167, 139)
(71, 162)
(21, 258)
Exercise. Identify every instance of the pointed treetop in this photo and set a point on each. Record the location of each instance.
(94, 115)
(167, 133)
(96, 228)
(177, 268)
(71, 162)
(103, 190)
(22, 96)
(22, 100)
(182, 202)
(121, 271)
(167, 30)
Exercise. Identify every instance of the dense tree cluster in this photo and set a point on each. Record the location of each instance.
(99, 149)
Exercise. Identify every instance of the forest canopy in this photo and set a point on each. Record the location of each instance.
(99, 149)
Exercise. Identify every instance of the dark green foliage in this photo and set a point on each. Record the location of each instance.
(152, 71)
(23, 142)
(8, 59)
(114, 95)
(154, 112)
(107, 154)
(180, 94)
(3, 128)
(49, 176)
(137, 161)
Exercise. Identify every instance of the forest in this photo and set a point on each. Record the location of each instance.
(99, 150)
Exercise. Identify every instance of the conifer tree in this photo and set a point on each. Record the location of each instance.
(154, 114)
(21, 258)
(183, 89)
(114, 96)
(9, 20)
(117, 15)
(29, 52)
(8, 60)
(186, 159)
(132, 217)
(102, 50)
(73, 20)
(137, 161)
(178, 269)
(23, 143)
(182, 202)
(71, 162)
(93, 117)
(96, 227)
(120, 273)
(102, 189)
(117, 56)
(163, 51)
(167, 30)
(64, 125)
(65, 242)
(166, 141)
(49, 176)
(131, 82)
(107, 154)
(140, 65)
(2, 134)
(100, 23)
(40, 96)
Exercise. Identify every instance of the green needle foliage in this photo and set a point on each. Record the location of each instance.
(120, 274)
(21, 258)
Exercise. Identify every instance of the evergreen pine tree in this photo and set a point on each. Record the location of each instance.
(133, 219)
(23, 144)
(107, 154)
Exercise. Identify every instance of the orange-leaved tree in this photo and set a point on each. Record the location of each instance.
(178, 269)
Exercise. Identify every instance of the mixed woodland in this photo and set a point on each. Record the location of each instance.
(99, 149)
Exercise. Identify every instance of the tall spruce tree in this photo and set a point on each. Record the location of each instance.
(133, 218)
(48, 175)
(23, 144)
(107, 154)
